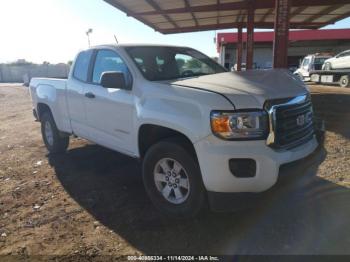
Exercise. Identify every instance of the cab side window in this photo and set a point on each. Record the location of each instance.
(82, 63)
(343, 54)
(107, 61)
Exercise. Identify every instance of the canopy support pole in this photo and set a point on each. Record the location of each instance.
(280, 44)
(250, 37)
(239, 49)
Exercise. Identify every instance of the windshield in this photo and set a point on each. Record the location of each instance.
(166, 63)
(320, 60)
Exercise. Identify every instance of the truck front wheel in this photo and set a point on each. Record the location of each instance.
(173, 181)
(344, 81)
(54, 141)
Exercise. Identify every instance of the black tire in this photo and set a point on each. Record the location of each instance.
(344, 81)
(196, 199)
(59, 142)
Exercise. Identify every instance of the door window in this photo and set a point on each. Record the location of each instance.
(341, 55)
(107, 61)
(306, 62)
(82, 64)
(346, 54)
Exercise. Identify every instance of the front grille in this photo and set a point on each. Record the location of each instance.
(292, 123)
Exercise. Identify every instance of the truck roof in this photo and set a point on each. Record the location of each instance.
(135, 45)
(321, 55)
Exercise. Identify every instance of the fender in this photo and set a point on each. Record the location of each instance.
(182, 109)
(51, 92)
(181, 115)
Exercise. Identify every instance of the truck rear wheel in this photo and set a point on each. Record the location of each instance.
(54, 141)
(344, 81)
(173, 181)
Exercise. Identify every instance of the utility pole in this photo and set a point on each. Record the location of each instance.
(116, 39)
(88, 35)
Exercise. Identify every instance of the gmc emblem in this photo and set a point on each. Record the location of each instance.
(301, 120)
(304, 119)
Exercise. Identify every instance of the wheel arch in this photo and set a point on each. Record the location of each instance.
(150, 134)
(42, 108)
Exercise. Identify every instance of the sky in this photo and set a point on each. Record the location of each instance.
(54, 30)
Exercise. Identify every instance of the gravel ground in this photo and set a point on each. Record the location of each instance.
(91, 201)
(331, 104)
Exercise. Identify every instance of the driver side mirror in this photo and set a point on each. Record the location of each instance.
(114, 80)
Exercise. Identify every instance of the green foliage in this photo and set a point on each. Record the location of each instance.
(193, 63)
(180, 62)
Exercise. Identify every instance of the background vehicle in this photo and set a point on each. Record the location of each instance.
(267, 66)
(243, 67)
(293, 68)
(340, 61)
(340, 77)
(311, 63)
(201, 134)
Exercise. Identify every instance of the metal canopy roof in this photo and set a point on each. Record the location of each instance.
(177, 16)
(294, 36)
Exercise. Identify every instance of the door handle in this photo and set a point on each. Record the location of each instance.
(89, 95)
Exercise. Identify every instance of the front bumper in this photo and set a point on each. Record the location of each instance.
(214, 155)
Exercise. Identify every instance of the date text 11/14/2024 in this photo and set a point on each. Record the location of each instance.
(173, 258)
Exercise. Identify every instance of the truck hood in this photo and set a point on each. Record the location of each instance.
(249, 89)
(329, 60)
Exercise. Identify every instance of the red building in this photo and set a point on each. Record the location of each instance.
(301, 43)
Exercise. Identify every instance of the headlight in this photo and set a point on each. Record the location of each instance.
(239, 125)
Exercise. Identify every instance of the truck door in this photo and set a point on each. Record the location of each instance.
(75, 93)
(110, 112)
(305, 66)
(344, 61)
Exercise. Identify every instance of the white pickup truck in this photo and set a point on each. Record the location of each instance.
(202, 133)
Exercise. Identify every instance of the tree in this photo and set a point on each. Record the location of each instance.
(180, 62)
(193, 63)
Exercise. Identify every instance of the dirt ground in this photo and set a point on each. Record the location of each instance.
(91, 201)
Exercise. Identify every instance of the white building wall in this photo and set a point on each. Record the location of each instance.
(262, 57)
(22, 73)
(263, 52)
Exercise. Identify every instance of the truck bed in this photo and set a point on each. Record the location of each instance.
(56, 82)
(329, 76)
(331, 72)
